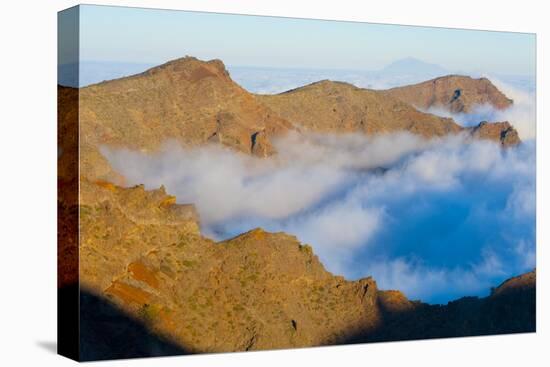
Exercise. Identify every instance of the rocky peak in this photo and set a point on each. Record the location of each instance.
(192, 69)
(339, 107)
(502, 132)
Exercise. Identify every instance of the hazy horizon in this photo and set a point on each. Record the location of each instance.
(92, 72)
(153, 36)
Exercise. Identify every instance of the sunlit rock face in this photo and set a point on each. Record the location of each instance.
(455, 93)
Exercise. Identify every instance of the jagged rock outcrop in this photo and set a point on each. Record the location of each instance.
(496, 131)
(454, 93)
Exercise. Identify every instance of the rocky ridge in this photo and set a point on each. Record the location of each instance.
(330, 107)
(146, 256)
(454, 93)
(259, 290)
(196, 102)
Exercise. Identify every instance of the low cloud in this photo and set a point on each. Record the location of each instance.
(437, 219)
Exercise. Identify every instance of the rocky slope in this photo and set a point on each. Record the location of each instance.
(454, 93)
(186, 100)
(328, 106)
(496, 131)
(336, 107)
(258, 290)
(144, 255)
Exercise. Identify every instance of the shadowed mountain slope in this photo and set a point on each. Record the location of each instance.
(511, 308)
(186, 100)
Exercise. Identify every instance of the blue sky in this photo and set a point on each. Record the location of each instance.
(118, 34)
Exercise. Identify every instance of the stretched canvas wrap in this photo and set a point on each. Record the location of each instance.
(232, 183)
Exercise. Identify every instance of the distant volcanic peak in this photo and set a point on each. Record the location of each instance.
(455, 93)
(413, 65)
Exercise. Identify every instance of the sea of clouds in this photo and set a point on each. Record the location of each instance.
(436, 219)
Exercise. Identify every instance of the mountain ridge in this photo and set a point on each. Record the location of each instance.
(455, 93)
(258, 290)
(196, 102)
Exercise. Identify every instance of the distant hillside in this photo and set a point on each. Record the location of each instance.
(328, 106)
(333, 107)
(454, 93)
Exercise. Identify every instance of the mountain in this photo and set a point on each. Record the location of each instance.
(497, 131)
(454, 93)
(335, 107)
(187, 100)
(328, 106)
(144, 255)
(196, 102)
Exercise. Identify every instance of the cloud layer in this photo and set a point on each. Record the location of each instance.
(437, 219)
